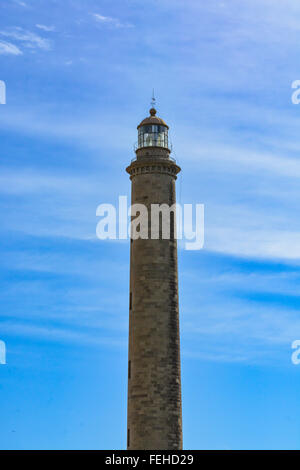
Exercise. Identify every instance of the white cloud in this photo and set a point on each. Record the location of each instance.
(30, 39)
(234, 322)
(105, 19)
(61, 335)
(45, 28)
(113, 21)
(19, 2)
(87, 131)
(73, 208)
(9, 48)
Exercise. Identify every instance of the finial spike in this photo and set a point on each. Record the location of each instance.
(153, 101)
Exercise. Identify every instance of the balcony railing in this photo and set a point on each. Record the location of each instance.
(136, 146)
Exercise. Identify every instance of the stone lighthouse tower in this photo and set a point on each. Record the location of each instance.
(154, 381)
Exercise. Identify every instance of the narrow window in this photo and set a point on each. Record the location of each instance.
(130, 301)
(128, 438)
(172, 227)
(129, 369)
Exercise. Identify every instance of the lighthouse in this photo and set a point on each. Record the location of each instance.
(154, 414)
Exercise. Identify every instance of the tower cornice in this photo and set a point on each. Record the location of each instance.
(153, 165)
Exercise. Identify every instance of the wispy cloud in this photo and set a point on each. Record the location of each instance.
(30, 40)
(87, 130)
(7, 48)
(112, 21)
(72, 217)
(60, 335)
(20, 3)
(45, 28)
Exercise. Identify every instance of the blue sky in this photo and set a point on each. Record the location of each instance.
(79, 77)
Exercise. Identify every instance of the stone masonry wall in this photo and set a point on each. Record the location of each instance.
(154, 381)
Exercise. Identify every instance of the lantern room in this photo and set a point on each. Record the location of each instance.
(153, 132)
